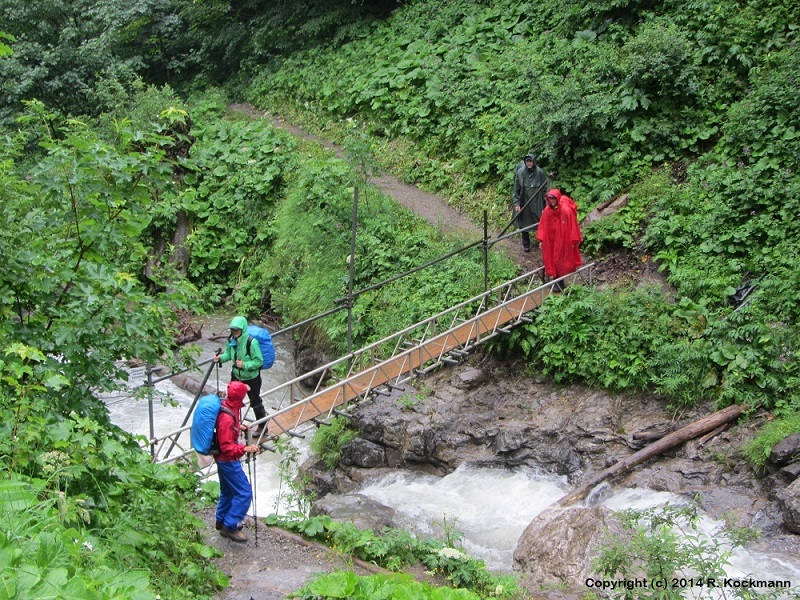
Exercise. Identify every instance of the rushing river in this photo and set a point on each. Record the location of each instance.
(168, 416)
(491, 507)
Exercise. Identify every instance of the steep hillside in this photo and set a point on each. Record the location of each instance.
(690, 112)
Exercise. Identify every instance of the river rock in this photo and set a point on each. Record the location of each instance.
(790, 472)
(558, 546)
(789, 501)
(468, 378)
(363, 453)
(311, 351)
(505, 419)
(361, 511)
(492, 416)
(785, 451)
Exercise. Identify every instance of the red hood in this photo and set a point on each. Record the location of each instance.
(554, 192)
(236, 393)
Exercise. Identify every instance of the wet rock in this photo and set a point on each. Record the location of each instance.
(467, 378)
(320, 480)
(510, 438)
(676, 475)
(311, 352)
(363, 453)
(361, 511)
(558, 546)
(790, 472)
(505, 419)
(789, 501)
(785, 451)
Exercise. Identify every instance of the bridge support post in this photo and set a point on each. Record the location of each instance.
(148, 370)
(351, 278)
(485, 250)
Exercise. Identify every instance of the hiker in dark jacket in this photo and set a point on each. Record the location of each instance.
(530, 184)
(235, 491)
(247, 359)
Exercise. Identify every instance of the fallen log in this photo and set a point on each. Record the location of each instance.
(684, 434)
(192, 384)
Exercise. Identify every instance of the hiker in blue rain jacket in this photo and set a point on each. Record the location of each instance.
(235, 492)
(247, 360)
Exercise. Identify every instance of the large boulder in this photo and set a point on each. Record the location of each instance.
(785, 451)
(789, 501)
(363, 453)
(363, 512)
(559, 545)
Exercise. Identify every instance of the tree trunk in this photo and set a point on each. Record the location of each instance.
(180, 253)
(684, 434)
(192, 384)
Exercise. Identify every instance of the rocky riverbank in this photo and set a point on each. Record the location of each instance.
(487, 412)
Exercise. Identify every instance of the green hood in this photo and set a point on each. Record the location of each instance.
(239, 323)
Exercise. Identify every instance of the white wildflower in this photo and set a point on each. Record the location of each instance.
(88, 546)
(452, 553)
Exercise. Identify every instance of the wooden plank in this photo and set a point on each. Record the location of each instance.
(358, 385)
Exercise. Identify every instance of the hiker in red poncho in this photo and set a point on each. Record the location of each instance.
(559, 235)
(235, 492)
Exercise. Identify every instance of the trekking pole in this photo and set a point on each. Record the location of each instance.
(255, 495)
(514, 218)
(251, 472)
(217, 363)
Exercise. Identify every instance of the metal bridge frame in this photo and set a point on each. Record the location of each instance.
(444, 338)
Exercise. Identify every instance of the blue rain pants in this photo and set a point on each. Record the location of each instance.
(235, 494)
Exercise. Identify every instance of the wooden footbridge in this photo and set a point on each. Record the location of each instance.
(446, 338)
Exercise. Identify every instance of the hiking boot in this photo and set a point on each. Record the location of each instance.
(219, 525)
(233, 534)
(526, 249)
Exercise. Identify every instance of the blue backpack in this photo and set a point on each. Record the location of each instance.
(264, 340)
(204, 424)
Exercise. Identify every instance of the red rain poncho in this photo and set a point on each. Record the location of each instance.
(560, 235)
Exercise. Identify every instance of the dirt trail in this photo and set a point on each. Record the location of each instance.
(430, 207)
(279, 566)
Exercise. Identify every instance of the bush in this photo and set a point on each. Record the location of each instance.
(758, 449)
(395, 549)
(329, 439)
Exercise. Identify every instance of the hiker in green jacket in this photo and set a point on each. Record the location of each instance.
(245, 353)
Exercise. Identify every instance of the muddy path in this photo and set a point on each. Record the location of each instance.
(430, 207)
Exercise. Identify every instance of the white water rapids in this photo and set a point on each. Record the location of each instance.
(491, 507)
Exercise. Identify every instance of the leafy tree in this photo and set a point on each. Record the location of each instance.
(83, 507)
(62, 50)
(58, 52)
(5, 50)
(72, 303)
